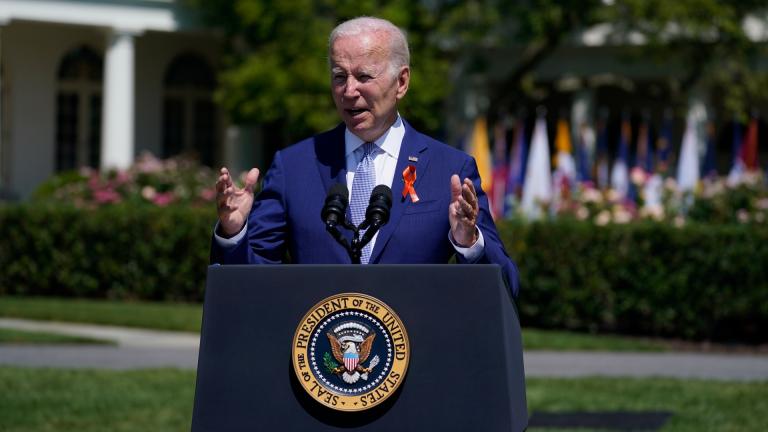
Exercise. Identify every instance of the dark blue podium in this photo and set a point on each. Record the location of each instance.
(466, 365)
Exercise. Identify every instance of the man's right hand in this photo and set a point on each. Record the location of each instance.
(234, 204)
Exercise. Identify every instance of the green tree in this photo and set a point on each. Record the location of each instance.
(708, 37)
(276, 67)
(276, 71)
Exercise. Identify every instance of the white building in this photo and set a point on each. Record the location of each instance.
(96, 82)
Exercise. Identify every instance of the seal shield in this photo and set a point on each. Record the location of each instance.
(350, 352)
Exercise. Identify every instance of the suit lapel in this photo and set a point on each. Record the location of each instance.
(331, 163)
(413, 146)
(332, 167)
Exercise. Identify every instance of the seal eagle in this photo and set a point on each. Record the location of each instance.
(351, 356)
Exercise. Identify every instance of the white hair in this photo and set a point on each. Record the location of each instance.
(399, 54)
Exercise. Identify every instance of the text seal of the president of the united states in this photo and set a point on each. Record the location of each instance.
(350, 352)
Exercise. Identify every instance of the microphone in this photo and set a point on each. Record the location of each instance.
(377, 213)
(335, 208)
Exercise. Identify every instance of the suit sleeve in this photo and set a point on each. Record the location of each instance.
(494, 248)
(264, 242)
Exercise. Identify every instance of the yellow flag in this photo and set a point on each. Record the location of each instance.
(480, 149)
(562, 139)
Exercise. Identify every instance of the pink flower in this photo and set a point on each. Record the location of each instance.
(147, 163)
(208, 194)
(123, 177)
(163, 199)
(106, 196)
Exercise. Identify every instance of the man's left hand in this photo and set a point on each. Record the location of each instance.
(462, 212)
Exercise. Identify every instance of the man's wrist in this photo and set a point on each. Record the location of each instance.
(224, 233)
(473, 240)
(218, 234)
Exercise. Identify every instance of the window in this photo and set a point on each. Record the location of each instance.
(78, 109)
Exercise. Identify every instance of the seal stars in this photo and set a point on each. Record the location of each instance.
(350, 352)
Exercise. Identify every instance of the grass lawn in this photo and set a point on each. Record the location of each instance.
(534, 339)
(187, 317)
(46, 400)
(12, 336)
(162, 316)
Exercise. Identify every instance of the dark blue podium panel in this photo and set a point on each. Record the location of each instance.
(465, 371)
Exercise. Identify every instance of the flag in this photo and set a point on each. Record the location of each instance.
(537, 190)
(480, 150)
(585, 147)
(516, 171)
(709, 165)
(688, 164)
(563, 158)
(601, 156)
(619, 171)
(564, 177)
(644, 154)
(749, 147)
(664, 147)
(498, 191)
(737, 169)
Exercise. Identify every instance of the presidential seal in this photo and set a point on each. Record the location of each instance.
(350, 352)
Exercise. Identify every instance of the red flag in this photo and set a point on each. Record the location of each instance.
(498, 192)
(749, 147)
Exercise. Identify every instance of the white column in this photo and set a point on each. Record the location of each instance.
(582, 109)
(117, 142)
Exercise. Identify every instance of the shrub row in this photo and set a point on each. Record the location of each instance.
(132, 252)
(698, 281)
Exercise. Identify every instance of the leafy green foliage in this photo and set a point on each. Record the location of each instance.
(119, 251)
(177, 180)
(707, 38)
(700, 281)
(276, 70)
(329, 363)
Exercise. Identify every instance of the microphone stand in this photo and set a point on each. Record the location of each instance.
(353, 251)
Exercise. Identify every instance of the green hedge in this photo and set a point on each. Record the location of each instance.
(699, 281)
(695, 282)
(136, 252)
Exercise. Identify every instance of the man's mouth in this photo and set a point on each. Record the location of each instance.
(356, 112)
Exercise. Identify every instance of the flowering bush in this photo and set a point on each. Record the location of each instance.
(654, 198)
(178, 180)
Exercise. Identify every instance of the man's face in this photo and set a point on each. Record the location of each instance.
(364, 90)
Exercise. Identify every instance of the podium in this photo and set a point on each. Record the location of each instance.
(465, 371)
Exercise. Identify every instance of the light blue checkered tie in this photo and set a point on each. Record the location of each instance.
(362, 185)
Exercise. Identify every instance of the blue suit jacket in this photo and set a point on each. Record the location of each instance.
(286, 213)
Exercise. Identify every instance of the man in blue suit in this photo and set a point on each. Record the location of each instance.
(370, 73)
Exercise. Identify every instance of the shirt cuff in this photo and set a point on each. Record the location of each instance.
(473, 253)
(228, 242)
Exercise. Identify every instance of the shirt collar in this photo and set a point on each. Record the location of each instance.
(389, 142)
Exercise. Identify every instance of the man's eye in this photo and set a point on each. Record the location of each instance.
(339, 78)
(364, 78)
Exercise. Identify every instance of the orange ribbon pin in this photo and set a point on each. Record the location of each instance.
(409, 177)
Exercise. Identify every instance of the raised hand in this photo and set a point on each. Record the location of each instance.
(462, 212)
(233, 203)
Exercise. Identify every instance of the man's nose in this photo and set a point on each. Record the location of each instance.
(350, 88)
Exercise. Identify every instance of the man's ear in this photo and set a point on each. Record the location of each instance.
(403, 79)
